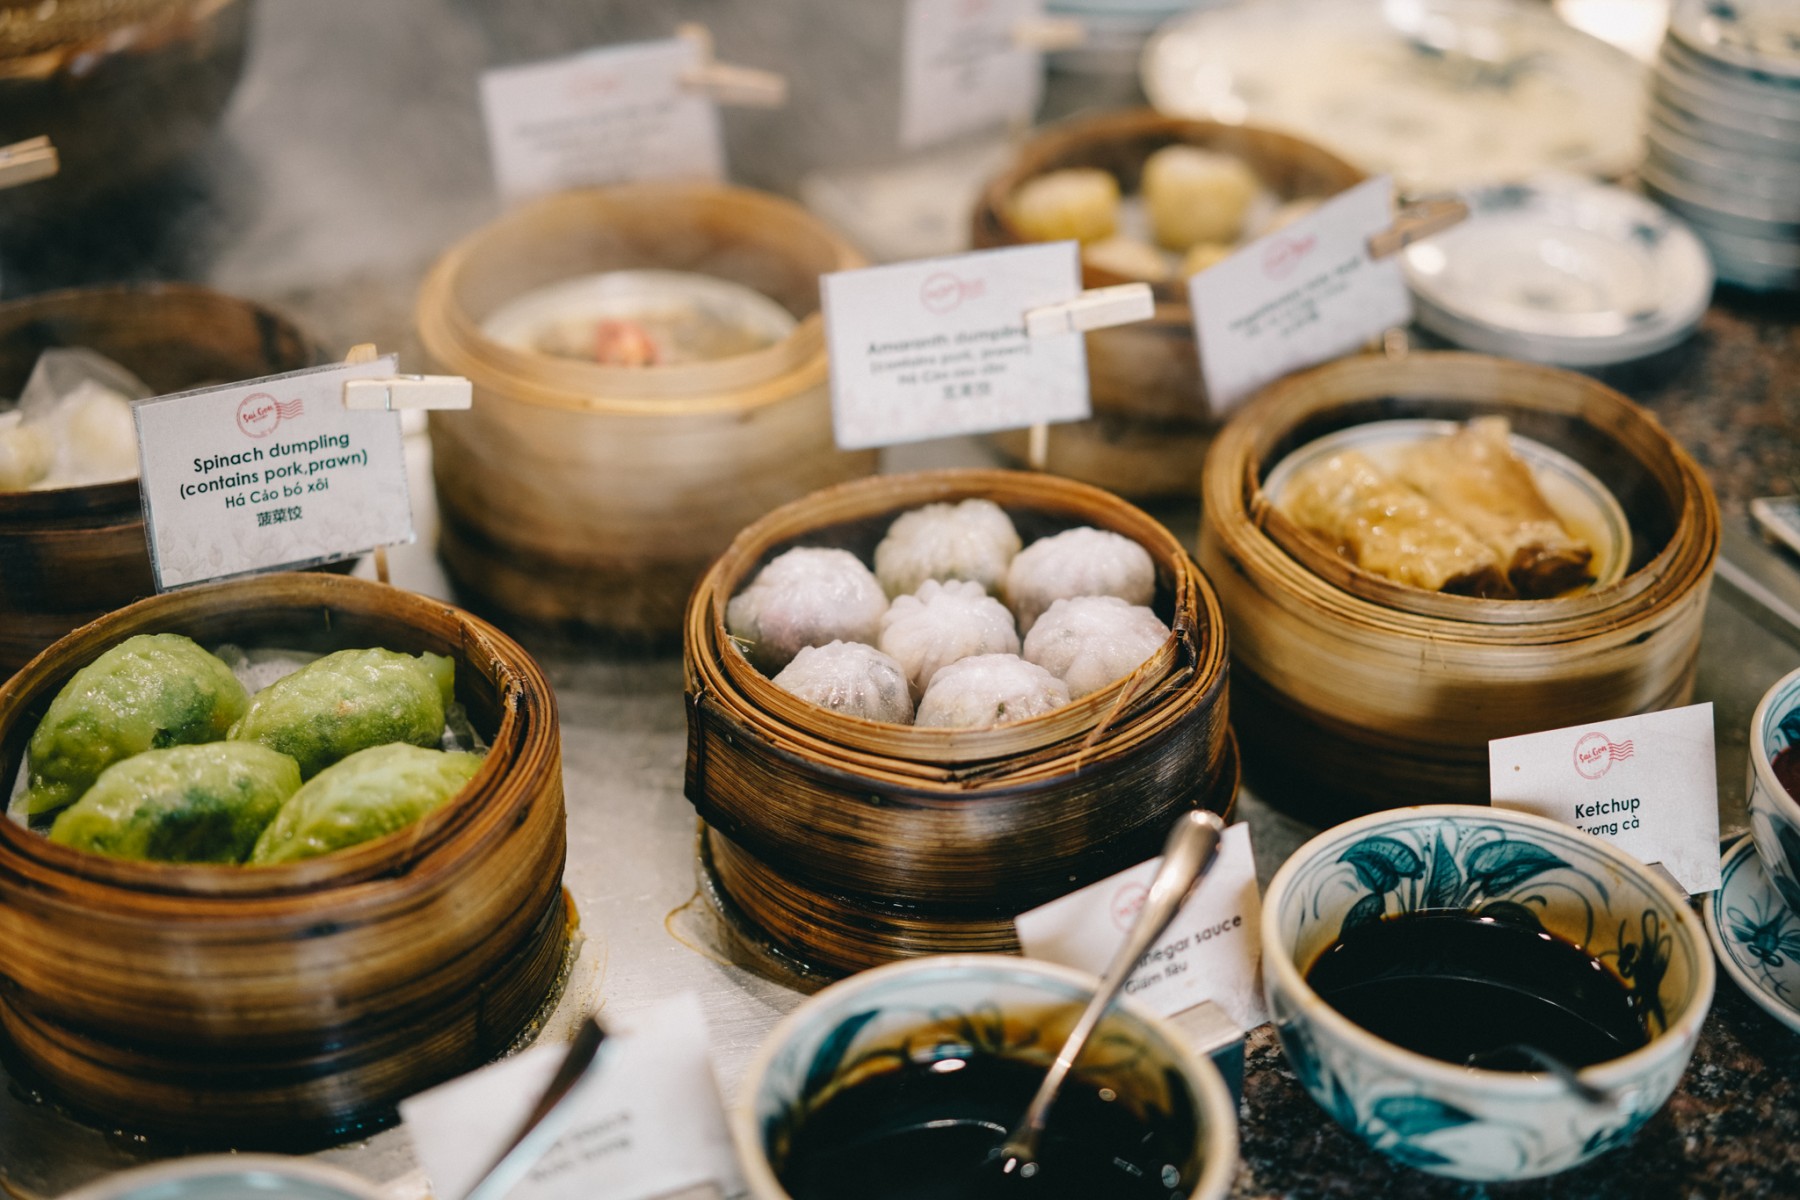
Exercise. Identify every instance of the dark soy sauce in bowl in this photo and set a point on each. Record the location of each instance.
(1468, 989)
(931, 1131)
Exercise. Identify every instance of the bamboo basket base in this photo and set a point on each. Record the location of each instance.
(793, 929)
(636, 604)
(1324, 772)
(293, 1099)
(1138, 459)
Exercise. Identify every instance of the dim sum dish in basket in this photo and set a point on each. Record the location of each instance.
(280, 851)
(920, 704)
(1152, 199)
(1419, 555)
(72, 535)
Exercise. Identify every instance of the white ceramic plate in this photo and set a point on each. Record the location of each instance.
(1751, 35)
(1442, 93)
(1755, 936)
(1564, 263)
(1583, 504)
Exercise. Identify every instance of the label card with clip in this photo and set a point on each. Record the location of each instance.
(940, 347)
(274, 472)
(963, 68)
(616, 114)
(647, 1119)
(1648, 784)
(1298, 297)
(1211, 952)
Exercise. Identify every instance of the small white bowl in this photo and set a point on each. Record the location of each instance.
(230, 1177)
(1775, 815)
(1459, 1121)
(820, 1041)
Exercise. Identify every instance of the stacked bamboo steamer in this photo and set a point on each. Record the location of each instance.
(593, 496)
(854, 842)
(69, 555)
(277, 1006)
(1353, 693)
(1151, 424)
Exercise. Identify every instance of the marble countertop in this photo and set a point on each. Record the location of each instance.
(334, 207)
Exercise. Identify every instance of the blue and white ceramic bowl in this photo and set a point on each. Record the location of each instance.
(948, 1006)
(1460, 1121)
(1775, 815)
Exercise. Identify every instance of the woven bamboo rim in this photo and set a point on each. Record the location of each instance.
(279, 1002)
(685, 227)
(1192, 651)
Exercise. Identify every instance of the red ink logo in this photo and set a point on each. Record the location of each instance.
(259, 413)
(1595, 754)
(583, 86)
(1284, 254)
(944, 292)
(1125, 904)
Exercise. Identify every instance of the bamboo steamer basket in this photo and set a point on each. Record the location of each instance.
(1151, 421)
(927, 839)
(1355, 694)
(68, 555)
(279, 1005)
(580, 495)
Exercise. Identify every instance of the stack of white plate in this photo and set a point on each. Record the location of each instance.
(1724, 134)
(1561, 270)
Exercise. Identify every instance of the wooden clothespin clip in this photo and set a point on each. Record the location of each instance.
(1047, 35)
(27, 162)
(737, 87)
(398, 392)
(1416, 222)
(1096, 308)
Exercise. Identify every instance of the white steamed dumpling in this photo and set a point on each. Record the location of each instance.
(1089, 641)
(989, 689)
(1077, 562)
(806, 597)
(943, 622)
(850, 678)
(973, 540)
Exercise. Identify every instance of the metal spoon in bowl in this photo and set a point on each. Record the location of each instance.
(1191, 849)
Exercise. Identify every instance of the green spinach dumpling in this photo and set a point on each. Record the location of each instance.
(349, 701)
(147, 693)
(371, 793)
(184, 804)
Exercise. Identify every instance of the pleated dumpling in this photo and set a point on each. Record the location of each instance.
(941, 623)
(808, 596)
(973, 540)
(850, 678)
(1089, 641)
(1078, 562)
(186, 804)
(148, 692)
(989, 689)
(349, 701)
(372, 793)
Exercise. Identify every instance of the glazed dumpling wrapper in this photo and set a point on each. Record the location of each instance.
(349, 701)
(973, 540)
(808, 596)
(148, 692)
(1089, 641)
(206, 803)
(1078, 562)
(850, 678)
(989, 689)
(371, 793)
(942, 623)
